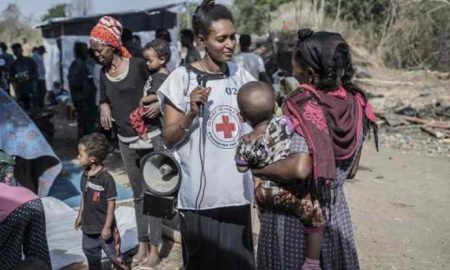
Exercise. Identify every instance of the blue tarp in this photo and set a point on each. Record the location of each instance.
(19, 136)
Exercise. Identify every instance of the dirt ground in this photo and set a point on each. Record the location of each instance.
(398, 200)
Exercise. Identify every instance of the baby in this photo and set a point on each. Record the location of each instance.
(268, 143)
(156, 54)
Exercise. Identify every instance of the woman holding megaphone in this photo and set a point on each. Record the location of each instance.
(202, 125)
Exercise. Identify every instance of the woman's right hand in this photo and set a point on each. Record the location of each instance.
(105, 116)
(198, 96)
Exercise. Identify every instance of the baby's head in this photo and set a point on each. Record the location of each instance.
(92, 149)
(256, 102)
(157, 54)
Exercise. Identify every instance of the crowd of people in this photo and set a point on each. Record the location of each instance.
(217, 112)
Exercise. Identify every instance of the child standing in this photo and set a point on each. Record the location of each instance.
(145, 119)
(268, 143)
(96, 214)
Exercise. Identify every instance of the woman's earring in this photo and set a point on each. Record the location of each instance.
(311, 80)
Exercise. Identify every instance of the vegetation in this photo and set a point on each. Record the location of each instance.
(254, 16)
(55, 11)
(359, 11)
(15, 27)
(400, 33)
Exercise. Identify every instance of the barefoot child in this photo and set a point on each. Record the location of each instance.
(146, 117)
(98, 202)
(268, 143)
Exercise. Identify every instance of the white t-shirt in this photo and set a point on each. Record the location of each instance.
(251, 62)
(225, 186)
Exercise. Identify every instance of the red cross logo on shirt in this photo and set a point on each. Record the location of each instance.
(226, 127)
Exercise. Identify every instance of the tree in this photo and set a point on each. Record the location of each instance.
(254, 16)
(14, 26)
(55, 11)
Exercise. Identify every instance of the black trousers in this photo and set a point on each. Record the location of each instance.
(83, 120)
(219, 238)
(41, 90)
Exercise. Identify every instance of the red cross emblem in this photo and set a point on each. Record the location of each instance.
(226, 127)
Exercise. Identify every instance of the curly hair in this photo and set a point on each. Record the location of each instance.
(96, 146)
(161, 47)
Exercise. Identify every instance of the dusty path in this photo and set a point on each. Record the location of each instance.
(400, 204)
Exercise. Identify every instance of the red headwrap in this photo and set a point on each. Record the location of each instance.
(108, 31)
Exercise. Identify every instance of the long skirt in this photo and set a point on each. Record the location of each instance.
(219, 238)
(282, 242)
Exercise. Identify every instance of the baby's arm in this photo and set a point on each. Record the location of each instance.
(148, 99)
(241, 164)
(242, 168)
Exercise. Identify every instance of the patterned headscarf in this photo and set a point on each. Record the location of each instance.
(108, 31)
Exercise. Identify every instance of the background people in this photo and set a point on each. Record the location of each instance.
(128, 42)
(23, 74)
(6, 61)
(175, 58)
(187, 37)
(37, 55)
(250, 61)
(82, 89)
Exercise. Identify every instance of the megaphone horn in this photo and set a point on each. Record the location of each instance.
(161, 172)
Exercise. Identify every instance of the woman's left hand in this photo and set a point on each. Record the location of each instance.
(152, 110)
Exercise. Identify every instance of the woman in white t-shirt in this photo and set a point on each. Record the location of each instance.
(202, 125)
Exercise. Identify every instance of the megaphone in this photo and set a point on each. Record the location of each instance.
(162, 178)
